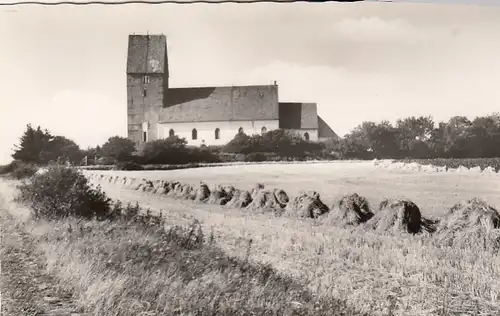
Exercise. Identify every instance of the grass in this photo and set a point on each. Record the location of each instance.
(120, 268)
(410, 275)
(434, 193)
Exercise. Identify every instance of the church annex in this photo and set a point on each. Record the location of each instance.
(204, 115)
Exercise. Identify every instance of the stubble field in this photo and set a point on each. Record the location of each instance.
(404, 274)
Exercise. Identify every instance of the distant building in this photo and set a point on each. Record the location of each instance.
(204, 115)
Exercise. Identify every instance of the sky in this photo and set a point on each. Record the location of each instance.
(63, 67)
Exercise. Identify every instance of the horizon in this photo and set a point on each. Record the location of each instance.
(362, 61)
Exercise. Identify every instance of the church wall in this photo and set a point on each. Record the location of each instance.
(144, 102)
(206, 130)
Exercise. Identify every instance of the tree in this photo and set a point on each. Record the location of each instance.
(414, 134)
(457, 137)
(171, 150)
(64, 149)
(383, 140)
(118, 148)
(240, 144)
(33, 145)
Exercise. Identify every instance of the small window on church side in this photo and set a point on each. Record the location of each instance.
(194, 134)
(240, 130)
(144, 136)
(171, 133)
(306, 136)
(263, 130)
(145, 79)
(144, 93)
(217, 133)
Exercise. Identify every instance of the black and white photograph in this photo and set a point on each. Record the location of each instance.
(250, 158)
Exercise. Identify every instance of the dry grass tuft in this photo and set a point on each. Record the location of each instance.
(397, 216)
(350, 210)
(473, 223)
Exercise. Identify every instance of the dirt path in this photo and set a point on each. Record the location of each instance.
(27, 290)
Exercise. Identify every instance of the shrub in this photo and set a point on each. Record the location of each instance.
(256, 157)
(204, 154)
(18, 169)
(118, 148)
(24, 171)
(128, 165)
(62, 192)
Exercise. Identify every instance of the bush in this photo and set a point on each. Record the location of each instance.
(24, 171)
(18, 170)
(256, 157)
(173, 150)
(61, 192)
(128, 165)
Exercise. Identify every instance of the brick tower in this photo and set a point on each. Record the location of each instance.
(147, 80)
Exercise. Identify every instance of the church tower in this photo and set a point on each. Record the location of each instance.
(147, 80)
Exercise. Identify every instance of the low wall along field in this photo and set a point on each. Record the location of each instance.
(359, 231)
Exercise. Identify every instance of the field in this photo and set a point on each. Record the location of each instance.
(378, 273)
(434, 193)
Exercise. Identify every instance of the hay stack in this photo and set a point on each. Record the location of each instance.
(397, 216)
(240, 199)
(182, 191)
(258, 187)
(148, 187)
(218, 196)
(281, 197)
(307, 205)
(472, 223)
(203, 193)
(188, 192)
(265, 202)
(229, 190)
(351, 209)
(141, 184)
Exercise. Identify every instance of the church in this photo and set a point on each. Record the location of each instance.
(205, 115)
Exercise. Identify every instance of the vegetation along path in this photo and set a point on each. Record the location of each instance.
(27, 289)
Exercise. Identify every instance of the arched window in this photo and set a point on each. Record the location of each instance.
(217, 133)
(263, 130)
(306, 135)
(194, 134)
(240, 130)
(171, 133)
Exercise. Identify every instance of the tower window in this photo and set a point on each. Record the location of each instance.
(171, 133)
(217, 133)
(306, 136)
(144, 93)
(145, 79)
(194, 134)
(144, 136)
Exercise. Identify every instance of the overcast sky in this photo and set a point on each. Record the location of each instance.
(63, 67)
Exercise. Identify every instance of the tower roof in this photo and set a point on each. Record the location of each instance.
(147, 54)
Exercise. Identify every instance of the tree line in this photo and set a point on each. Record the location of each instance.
(411, 137)
(420, 138)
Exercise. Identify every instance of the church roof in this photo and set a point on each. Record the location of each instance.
(295, 115)
(233, 103)
(325, 131)
(147, 54)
